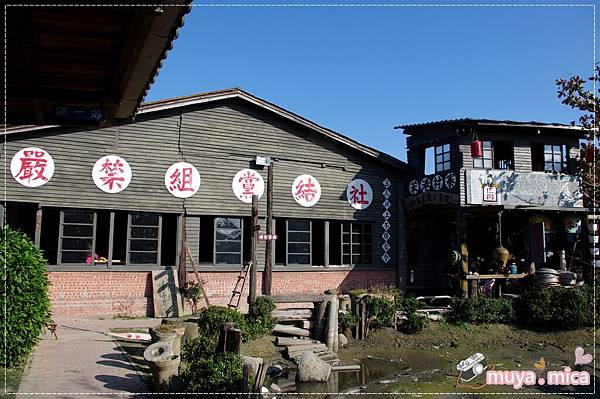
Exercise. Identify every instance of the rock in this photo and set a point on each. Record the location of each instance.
(343, 341)
(274, 388)
(253, 362)
(311, 368)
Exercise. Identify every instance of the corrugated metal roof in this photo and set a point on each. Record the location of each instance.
(489, 122)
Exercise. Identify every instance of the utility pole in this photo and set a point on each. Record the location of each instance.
(268, 272)
(253, 248)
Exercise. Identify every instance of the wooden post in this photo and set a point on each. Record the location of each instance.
(111, 235)
(38, 226)
(319, 316)
(332, 322)
(247, 369)
(182, 234)
(268, 271)
(253, 249)
(326, 236)
(461, 236)
(222, 343)
(234, 341)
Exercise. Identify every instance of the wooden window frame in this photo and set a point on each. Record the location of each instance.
(553, 163)
(214, 262)
(61, 237)
(351, 242)
(484, 158)
(442, 152)
(287, 243)
(129, 238)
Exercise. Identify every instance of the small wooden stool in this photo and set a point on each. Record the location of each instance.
(52, 326)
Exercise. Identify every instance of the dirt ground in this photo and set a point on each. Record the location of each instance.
(430, 357)
(424, 364)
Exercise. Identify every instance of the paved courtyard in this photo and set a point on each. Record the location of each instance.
(84, 361)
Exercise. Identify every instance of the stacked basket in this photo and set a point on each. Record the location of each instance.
(547, 277)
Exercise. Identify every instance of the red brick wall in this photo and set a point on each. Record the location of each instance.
(130, 293)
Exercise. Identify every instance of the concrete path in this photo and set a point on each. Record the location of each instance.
(83, 362)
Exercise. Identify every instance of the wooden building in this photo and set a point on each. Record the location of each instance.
(103, 242)
(521, 191)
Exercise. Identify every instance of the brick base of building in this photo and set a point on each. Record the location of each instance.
(130, 293)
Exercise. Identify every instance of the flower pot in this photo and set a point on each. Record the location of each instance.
(164, 365)
(163, 336)
(344, 302)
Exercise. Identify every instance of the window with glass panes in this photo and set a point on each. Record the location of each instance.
(228, 241)
(554, 158)
(143, 243)
(76, 237)
(298, 242)
(442, 157)
(487, 161)
(357, 244)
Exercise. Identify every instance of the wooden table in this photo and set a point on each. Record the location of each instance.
(473, 281)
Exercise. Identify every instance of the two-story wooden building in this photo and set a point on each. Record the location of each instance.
(516, 187)
(107, 205)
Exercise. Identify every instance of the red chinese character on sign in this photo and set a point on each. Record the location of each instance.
(112, 172)
(357, 195)
(306, 191)
(181, 180)
(33, 165)
(248, 181)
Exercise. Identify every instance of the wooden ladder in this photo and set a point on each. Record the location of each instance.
(236, 294)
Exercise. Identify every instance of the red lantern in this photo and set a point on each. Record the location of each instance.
(477, 149)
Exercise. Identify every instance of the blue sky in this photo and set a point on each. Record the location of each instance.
(361, 71)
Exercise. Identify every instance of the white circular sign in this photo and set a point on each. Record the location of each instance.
(306, 190)
(32, 167)
(359, 194)
(246, 183)
(111, 174)
(182, 179)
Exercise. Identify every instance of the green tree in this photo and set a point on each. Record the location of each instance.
(26, 298)
(576, 93)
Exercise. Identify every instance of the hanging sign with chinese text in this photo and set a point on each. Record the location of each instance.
(359, 194)
(111, 174)
(246, 183)
(182, 179)
(490, 194)
(306, 190)
(32, 167)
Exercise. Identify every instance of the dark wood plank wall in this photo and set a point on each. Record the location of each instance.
(219, 139)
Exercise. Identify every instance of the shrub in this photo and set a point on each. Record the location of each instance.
(409, 304)
(214, 373)
(414, 323)
(28, 304)
(211, 319)
(347, 321)
(480, 310)
(381, 311)
(260, 320)
(556, 308)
